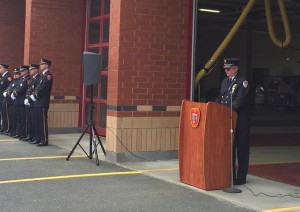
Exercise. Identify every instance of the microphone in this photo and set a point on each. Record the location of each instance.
(233, 88)
(233, 82)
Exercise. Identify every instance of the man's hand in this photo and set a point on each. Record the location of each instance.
(12, 96)
(32, 97)
(26, 102)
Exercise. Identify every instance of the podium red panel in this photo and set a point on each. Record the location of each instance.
(205, 150)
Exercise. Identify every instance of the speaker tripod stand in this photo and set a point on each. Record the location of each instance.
(93, 136)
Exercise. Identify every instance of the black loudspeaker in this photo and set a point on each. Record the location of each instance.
(91, 68)
(91, 76)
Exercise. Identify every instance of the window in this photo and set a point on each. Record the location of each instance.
(97, 41)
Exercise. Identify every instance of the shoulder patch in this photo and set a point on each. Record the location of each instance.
(245, 84)
(49, 77)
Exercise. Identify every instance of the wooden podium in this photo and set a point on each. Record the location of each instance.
(205, 145)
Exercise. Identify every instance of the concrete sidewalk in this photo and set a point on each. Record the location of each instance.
(258, 194)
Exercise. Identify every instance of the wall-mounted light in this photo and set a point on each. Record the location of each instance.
(209, 10)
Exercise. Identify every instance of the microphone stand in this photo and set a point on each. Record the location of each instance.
(231, 189)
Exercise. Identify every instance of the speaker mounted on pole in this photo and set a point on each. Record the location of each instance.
(91, 67)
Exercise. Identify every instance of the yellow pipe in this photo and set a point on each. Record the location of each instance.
(225, 42)
(237, 25)
(285, 21)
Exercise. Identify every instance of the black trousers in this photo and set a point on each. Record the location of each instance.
(5, 116)
(29, 125)
(241, 146)
(41, 123)
(21, 120)
(12, 120)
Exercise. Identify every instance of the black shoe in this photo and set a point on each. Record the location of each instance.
(27, 138)
(43, 143)
(34, 142)
(3, 132)
(239, 182)
(31, 140)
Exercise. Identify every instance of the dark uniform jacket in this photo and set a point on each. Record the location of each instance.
(20, 90)
(31, 87)
(240, 96)
(42, 90)
(10, 88)
(4, 82)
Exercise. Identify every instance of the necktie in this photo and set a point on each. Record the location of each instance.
(229, 80)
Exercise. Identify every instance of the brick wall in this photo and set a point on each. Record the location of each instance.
(148, 49)
(147, 75)
(12, 20)
(54, 30)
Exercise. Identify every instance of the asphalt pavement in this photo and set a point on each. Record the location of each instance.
(41, 179)
(38, 179)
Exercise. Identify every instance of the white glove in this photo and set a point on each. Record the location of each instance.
(12, 96)
(4, 94)
(32, 97)
(26, 102)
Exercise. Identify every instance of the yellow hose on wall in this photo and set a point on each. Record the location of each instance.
(204, 71)
(286, 24)
(225, 42)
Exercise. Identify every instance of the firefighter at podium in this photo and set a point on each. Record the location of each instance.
(236, 86)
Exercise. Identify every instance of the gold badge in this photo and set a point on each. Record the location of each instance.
(195, 117)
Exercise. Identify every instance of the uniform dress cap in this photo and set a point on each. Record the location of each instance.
(45, 61)
(16, 71)
(229, 62)
(33, 66)
(23, 68)
(2, 65)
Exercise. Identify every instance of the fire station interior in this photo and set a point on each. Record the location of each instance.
(273, 72)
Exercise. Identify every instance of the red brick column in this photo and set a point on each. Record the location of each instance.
(147, 76)
(54, 30)
(12, 32)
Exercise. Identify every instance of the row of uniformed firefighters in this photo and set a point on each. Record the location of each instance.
(25, 100)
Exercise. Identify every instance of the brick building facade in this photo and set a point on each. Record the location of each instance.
(147, 79)
(147, 67)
